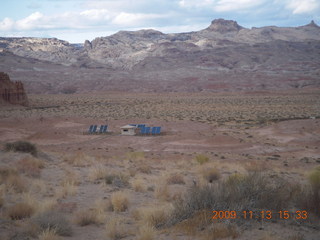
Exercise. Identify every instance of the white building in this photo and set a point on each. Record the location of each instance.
(128, 130)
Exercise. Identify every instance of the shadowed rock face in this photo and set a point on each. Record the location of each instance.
(12, 92)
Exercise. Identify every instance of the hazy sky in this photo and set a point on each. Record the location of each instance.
(78, 20)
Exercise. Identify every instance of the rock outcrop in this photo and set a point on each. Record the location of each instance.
(222, 57)
(12, 92)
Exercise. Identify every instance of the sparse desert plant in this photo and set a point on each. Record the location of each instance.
(115, 229)
(154, 216)
(138, 185)
(21, 146)
(211, 174)
(12, 180)
(176, 179)
(120, 201)
(97, 172)
(20, 210)
(221, 230)
(238, 192)
(66, 188)
(144, 168)
(79, 159)
(72, 176)
(117, 180)
(31, 166)
(201, 158)
(314, 179)
(162, 192)
(99, 208)
(135, 155)
(109, 178)
(48, 234)
(85, 217)
(146, 232)
(53, 220)
(297, 236)
(46, 205)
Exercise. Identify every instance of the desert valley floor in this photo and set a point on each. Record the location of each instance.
(108, 186)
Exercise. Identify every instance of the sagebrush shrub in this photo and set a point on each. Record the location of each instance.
(21, 146)
(54, 220)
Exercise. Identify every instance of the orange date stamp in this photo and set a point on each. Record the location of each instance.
(265, 214)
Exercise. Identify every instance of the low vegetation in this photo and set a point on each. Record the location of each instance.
(120, 201)
(55, 221)
(201, 159)
(21, 146)
(256, 191)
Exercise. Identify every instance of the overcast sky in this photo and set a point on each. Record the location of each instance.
(78, 20)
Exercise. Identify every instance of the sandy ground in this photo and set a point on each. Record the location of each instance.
(289, 148)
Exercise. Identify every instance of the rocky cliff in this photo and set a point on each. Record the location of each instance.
(12, 92)
(222, 57)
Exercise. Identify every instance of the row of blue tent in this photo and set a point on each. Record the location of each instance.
(144, 130)
(93, 129)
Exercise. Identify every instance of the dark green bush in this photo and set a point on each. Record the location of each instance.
(21, 146)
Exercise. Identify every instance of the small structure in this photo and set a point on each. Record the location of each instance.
(128, 130)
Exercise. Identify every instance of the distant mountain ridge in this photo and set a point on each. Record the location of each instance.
(219, 57)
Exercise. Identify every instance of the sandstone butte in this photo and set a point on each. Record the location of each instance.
(12, 92)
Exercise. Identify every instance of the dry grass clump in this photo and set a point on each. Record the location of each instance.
(12, 180)
(115, 229)
(48, 234)
(255, 166)
(46, 205)
(144, 168)
(55, 221)
(86, 217)
(66, 188)
(99, 208)
(221, 230)
(314, 179)
(20, 210)
(201, 159)
(21, 146)
(30, 166)
(79, 159)
(154, 216)
(135, 155)
(71, 176)
(211, 174)
(119, 201)
(117, 180)
(97, 173)
(139, 185)
(162, 192)
(176, 179)
(146, 232)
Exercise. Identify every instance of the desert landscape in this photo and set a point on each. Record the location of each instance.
(108, 186)
(238, 155)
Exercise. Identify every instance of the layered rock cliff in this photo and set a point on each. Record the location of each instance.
(12, 92)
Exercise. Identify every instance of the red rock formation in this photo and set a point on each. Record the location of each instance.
(12, 92)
